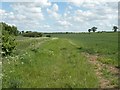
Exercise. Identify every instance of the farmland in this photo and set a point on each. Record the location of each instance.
(63, 61)
(105, 44)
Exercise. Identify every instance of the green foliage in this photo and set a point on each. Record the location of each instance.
(32, 34)
(89, 30)
(13, 83)
(108, 60)
(104, 44)
(56, 64)
(48, 35)
(8, 44)
(94, 29)
(8, 39)
(11, 30)
(115, 28)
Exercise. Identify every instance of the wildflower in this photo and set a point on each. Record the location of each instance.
(17, 57)
(11, 71)
(9, 62)
(6, 57)
(22, 63)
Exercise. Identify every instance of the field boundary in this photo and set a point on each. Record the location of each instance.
(99, 67)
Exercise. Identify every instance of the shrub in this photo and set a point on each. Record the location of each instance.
(8, 44)
(48, 35)
(32, 34)
(8, 40)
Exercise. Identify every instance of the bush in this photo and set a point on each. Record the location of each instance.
(8, 40)
(8, 44)
(32, 34)
(48, 35)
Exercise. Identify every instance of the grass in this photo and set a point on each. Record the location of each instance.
(110, 76)
(55, 63)
(59, 63)
(104, 44)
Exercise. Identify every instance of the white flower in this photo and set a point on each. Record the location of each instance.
(22, 63)
(8, 62)
(11, 71)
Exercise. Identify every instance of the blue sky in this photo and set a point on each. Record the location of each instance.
(46, 16)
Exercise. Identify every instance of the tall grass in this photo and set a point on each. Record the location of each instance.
(54, 64)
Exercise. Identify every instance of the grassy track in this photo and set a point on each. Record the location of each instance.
(65, 60)
(102, 50)
(53, 63)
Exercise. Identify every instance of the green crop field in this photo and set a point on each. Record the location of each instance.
(104, 44)
(63, 61)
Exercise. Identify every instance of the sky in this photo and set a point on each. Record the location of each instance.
(54, 16)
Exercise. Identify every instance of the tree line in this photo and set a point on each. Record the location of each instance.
(31, 34)
(95, 29)
(9, 32)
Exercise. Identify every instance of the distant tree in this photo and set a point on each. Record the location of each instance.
(94, 29)
(66, 32)
(89, 30)
(115, 28)
(48, 35)
(32, 34)
(28, 31)
(22, 32)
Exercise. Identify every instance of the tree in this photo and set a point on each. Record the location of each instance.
(32, 34)
(14, 30)
(94, 29)
(48, 35)
(8, 40)
(22, 32)
(115, 28)
(8, 44)
(89, 30)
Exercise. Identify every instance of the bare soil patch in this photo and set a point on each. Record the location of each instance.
(98, 67)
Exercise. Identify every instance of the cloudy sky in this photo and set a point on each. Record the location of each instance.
(49, 16)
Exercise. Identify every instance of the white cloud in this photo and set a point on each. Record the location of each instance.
(35, 10)
(42, 3)
(89, 14)
(76, 2)
(64, 23)
(53, 12)
(70, 7)
(32, 16)
(2, 12)
(80, 2)
(55, 7)
(24, 12)
(24, 15)
(65, 14)
(82, 16)
(46, 26)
